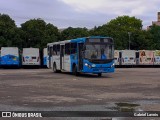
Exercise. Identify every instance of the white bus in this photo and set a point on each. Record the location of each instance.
(117, 57)
(30, 56)
(157, 57)
(10, 56)
(146, 57)
(128, 57)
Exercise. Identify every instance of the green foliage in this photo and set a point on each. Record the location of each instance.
(37, 33)
(123, 27)
(71, 33)
(7, 30)
(155, 32)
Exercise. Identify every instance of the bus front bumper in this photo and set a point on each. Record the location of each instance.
(98, 69)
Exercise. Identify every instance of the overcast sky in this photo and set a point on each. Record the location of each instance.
(79, 13)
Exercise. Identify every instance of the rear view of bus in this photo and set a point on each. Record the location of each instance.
(30, 56)
(128, 57)
(10, 56)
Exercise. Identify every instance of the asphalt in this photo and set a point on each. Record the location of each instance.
(43, 90)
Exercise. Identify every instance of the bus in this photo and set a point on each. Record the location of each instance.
(146, 57)
(30, 57)
(0, 58)
(128, 57)
(82, 55)
(45, 57)
(117, 57)
(10, 56)
(157, 57)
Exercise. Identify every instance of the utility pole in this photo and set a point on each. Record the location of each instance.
(129, 34)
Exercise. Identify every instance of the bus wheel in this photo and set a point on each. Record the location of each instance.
(75, 71)
(54, 68)
(99, 74)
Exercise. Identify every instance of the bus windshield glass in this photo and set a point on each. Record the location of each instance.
(99, 51)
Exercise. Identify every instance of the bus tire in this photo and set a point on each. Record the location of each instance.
(54, 68)
(99, 74)
(75, 70)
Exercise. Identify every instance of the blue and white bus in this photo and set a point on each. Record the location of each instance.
(0, 58)
(45, 56)
(82, 55)
(10, 56)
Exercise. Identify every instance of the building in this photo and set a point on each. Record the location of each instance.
(155, 22)
(158, 16)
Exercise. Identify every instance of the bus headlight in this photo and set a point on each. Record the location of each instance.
(86, 64)
(93, 65)
(112, 65)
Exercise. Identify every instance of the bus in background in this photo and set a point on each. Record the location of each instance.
(45, 57)
(0, 58)
(156, 57)
(128, 57)
(146, 57)
(10, 56)
(117, 57)
(82, 55)
(30, 57)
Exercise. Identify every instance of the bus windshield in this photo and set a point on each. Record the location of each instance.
(99, 51)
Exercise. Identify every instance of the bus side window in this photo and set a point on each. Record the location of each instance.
(54, 49)
(48, 50)
(73, 48)
(67, 49)
(58, 49)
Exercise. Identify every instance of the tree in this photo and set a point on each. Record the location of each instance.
(155, 32)
(71, 33)
(38, 33)
(118, 29)
(142, 40)
(7, 30)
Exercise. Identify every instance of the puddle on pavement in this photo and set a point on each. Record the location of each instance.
(130, 106)
(126, 107)
(123, 107)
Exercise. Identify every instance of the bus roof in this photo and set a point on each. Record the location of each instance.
(76, 40)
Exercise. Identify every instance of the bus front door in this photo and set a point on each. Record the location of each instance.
(62, 57)
(80, 56)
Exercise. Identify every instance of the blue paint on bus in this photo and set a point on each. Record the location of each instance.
(10, 60)
(45, 60)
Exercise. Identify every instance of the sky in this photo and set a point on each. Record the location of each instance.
(79, 13)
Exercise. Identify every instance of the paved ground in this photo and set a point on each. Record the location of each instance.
(41, 89)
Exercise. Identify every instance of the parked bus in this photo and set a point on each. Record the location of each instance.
(30, 56)
(0, 58)
(10, 56)
(117, 57)
(128, 57)
(45, 56)
(146, 57)
(86, 55)
(157, 57)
